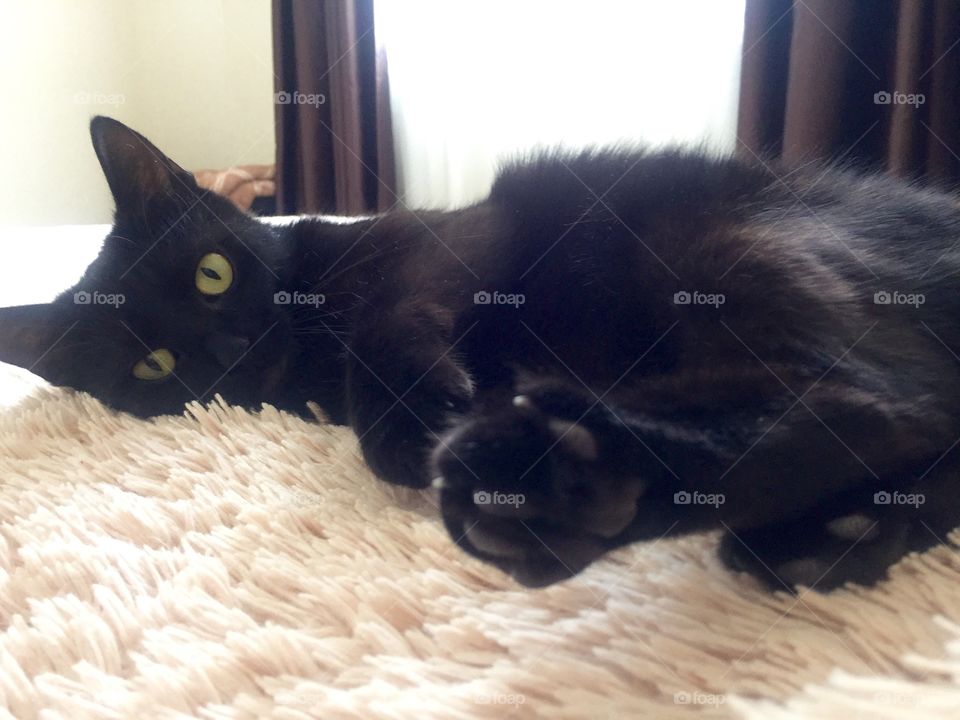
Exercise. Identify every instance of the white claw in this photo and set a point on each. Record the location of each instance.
(438, 482)
(522, 401)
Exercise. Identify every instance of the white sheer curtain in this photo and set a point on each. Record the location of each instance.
(474, 82)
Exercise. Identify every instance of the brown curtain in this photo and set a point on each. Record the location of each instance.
(874, 81)
(334, 138)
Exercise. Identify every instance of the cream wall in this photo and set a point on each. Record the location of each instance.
(195, 76)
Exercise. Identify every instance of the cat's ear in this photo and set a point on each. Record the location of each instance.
(28, 334)
(136, 170)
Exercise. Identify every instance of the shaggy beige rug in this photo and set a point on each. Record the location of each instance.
(224, 564)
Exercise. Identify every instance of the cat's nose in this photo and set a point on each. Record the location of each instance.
(227, 349)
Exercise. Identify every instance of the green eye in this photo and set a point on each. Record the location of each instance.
(214, 274)
(155, 366)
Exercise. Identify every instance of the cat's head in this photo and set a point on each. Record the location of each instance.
(177, 306)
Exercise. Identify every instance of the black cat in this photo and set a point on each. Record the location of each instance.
(614, 346)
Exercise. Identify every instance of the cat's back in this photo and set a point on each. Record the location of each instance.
(676, 200)
(648, 186)
(808, 254)
(688, 183)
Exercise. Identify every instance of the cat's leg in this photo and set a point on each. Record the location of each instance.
(854, 537)
(404, 384)
(542, 479)
(544, 484)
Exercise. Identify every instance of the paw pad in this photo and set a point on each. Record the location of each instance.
(854, 528)
(574, 438)
(805, 571)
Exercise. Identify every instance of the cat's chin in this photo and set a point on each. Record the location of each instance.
(274, 374)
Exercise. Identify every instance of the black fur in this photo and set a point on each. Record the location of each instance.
(602, 409)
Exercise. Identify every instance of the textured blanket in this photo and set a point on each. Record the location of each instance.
(242, 184)
(224, 564)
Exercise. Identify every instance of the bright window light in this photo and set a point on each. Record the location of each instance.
(474, 82)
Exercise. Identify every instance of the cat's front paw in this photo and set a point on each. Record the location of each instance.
(398, 453)
(397, 430)
(531, 488)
